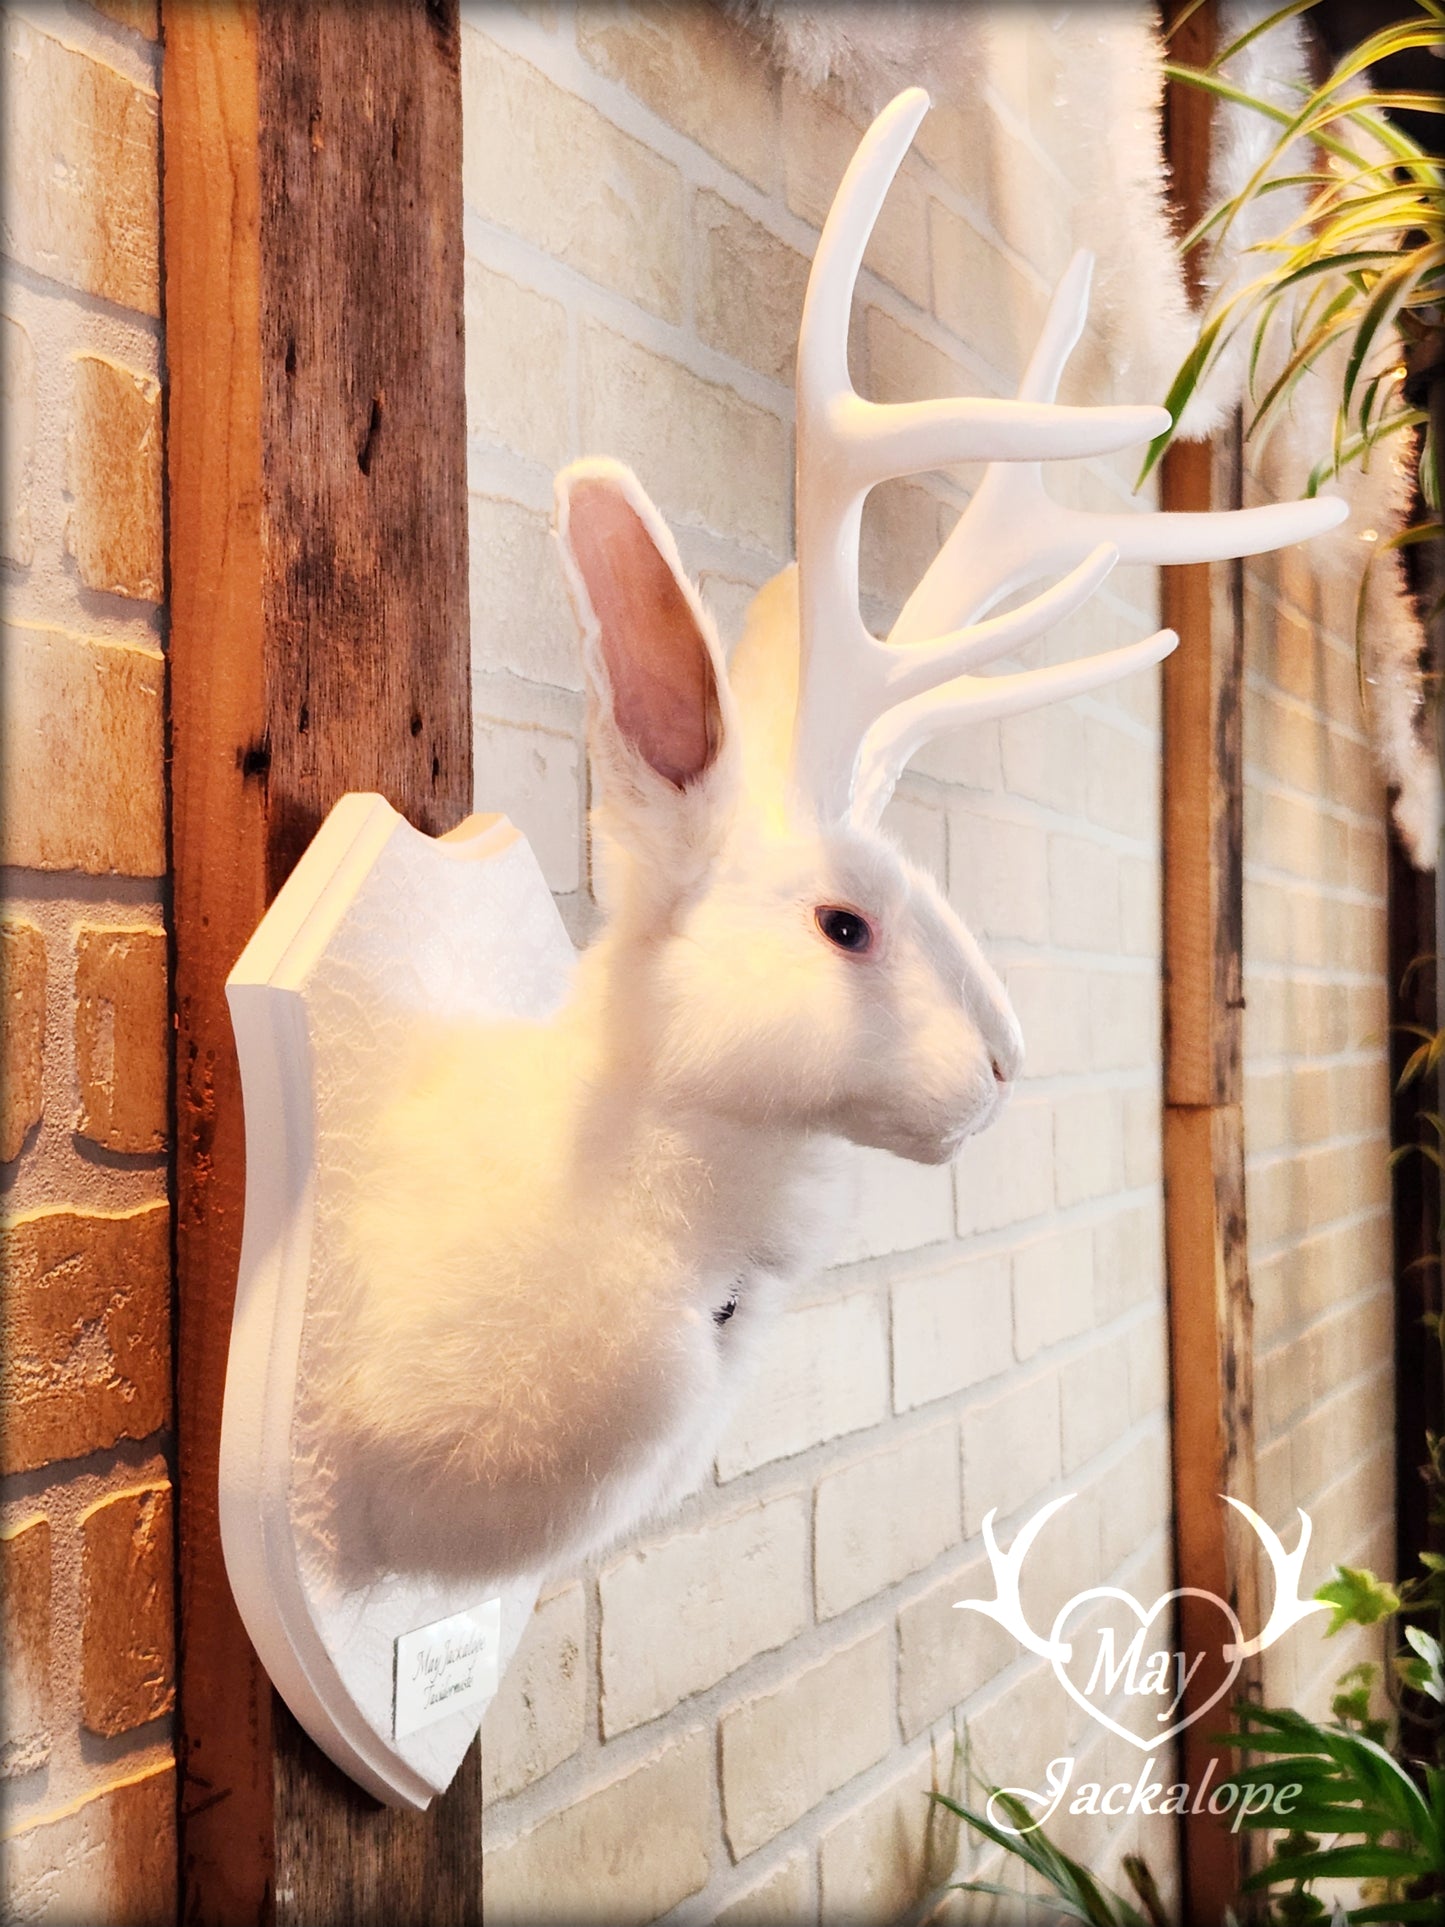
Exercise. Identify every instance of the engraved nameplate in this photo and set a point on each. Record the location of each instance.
(444, 1667)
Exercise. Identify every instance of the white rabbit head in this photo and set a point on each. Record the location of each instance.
(776, 970)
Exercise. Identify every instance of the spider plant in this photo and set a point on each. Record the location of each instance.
(1356, 264)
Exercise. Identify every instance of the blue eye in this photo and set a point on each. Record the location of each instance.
(844, 927)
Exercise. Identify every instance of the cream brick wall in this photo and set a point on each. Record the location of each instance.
(737, 1716)
(1317, 1087)
(88, 1788)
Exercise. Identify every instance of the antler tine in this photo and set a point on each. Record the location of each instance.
(924, 666)
(847, 444)
(1218, 535)
(1013, 532)
(901, 732)
(945, 595)
(1287, 1608)
(876, 440)
(1007, 1607)
(823, 336)
(1068, 311)
(884, 699)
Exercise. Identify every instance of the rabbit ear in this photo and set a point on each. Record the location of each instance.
(652, 660)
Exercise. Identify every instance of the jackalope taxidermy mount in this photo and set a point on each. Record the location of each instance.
(562, 1239)
(577, 1233)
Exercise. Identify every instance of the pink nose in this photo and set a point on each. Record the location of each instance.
(1000, 1075)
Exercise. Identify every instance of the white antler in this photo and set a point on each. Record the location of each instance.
(1007, 1607)
(865, 706)
(1013, 532)
(1288, 1608)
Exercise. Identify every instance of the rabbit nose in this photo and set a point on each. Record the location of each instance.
(1006, 1058)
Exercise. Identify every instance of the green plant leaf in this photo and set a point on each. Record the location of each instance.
(1080, 1896)
(1343, 1863)
(1383, 305)
(1358, 1598)
(1270, 21)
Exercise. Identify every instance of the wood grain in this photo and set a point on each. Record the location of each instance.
(1211, 1317)
(320, 643)
(1211, 1340)
(1203, 800)
(217, 710)
(363, 371)
(368, 644)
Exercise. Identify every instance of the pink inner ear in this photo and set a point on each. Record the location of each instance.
(664, 694)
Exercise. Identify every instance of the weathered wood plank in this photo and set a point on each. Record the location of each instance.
(363, 371)
(317, 469)
(1211, 1322)
(1211, 1328)
(217, 713)
(1203, 803)
(368, 645)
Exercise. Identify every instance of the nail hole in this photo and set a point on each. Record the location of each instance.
(373, 429)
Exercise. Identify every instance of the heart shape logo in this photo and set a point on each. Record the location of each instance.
(1150, 1671)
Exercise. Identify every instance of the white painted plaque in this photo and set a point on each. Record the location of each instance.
(451, 1664)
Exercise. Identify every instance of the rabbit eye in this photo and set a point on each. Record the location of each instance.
(845, 928)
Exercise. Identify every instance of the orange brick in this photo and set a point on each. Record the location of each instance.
(17, 458)
(127, 1641)
(22, 1035)
(86, 1354)
(120, 1037)
(114, 526)
(25, 1615)
(142, 16)
(81, 755)
(109, 1857)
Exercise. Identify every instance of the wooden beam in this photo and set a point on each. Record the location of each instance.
(210, 110)
(1211, 1322)
(1211, 1315)
(320, 643)
(363, 373)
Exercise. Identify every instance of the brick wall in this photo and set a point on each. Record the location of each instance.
(737, 1716)
(85, 1520)
(1317, 1088)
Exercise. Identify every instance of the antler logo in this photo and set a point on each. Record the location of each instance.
(1116, 1646)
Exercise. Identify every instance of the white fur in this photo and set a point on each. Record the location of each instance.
(1108, 80)
(555, 1212)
